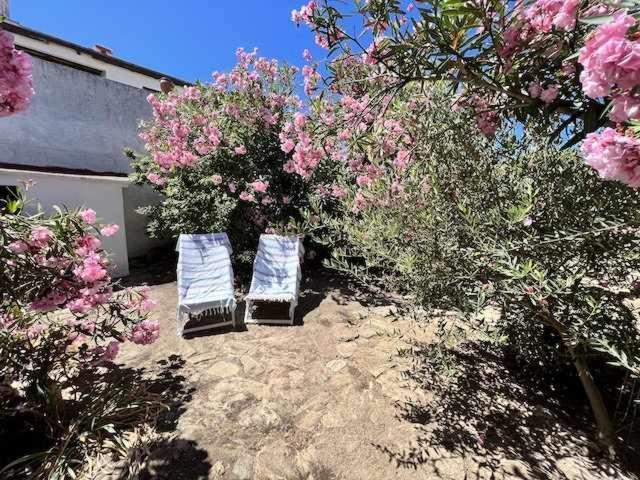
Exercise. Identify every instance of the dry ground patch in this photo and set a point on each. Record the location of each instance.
(331, 398)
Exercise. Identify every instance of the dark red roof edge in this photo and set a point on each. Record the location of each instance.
(60, 170)
(28, 32)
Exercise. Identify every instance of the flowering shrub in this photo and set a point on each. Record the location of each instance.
(552, 65)
(16, 88)
(430, 206)
(213, 151)
(60, 318)
(462, 221)
(54, 265)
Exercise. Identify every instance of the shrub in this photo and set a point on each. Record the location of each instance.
(61, 320)
(213, 152)
(464, 222)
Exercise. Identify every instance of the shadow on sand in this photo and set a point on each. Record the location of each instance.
(490, 410)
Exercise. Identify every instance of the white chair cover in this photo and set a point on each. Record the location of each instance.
(205, 276)
(276, 272)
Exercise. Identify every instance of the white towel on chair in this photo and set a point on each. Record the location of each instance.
(276, 270)
(205, 274)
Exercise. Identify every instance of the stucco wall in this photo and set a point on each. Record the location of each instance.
(76, 120)
(81, 120)
(103, 194)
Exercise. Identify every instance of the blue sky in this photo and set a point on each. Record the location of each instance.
(184, 38)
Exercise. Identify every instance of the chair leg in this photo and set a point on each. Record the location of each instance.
(292, 312)
(179, 326)
(247, 311)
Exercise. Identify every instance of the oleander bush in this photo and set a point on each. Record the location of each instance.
(62, 323)
(213, 153)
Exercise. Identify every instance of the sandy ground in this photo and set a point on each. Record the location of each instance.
(334, 398)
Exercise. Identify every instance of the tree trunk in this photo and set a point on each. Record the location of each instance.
(606, 432)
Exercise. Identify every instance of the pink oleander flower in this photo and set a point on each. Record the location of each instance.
(299, 120)
(410, 8)
(41, 236)
(566, 17)
(545, 14)
(266, 200)
(91, 269)
(18, 246)
(549, 94)
(109, 230)
(364, 180)
(111, 351)
(241, 150)
(86, 244)
(338, 192)
(609, 59)
(286, 200)
(216, 179)
(306, 54)
(288, 145)
(146, 332)
(259, 186)
(16, 82)
(402, 160)
(304, 14)
(157, 179)
(487, 120)
(147, 304)
(44, 304)
(624, 108)
(34, 331)
(246, 196)
(232, 187)
(615, 156)
(80, 305)
(88, 215)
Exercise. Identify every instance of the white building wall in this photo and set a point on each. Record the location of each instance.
(102, 194)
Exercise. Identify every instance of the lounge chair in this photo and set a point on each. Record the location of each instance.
(205, 281)
(276, 277)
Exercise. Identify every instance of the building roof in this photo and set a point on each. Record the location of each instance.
(16, 28)
(60, 170)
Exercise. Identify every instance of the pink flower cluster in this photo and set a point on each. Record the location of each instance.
(305, 14)
(615, 156)
(218, 118)
(145, 332)
(609, 59)
(16, 83)
(543, 15)
(306, 155)
(487, 119)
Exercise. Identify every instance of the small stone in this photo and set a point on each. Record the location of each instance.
(263, 417)
(276, 461)
(346, 350)
(377, 371)
(243, 468)
(362, 314)
(336, 365)
(348, 336)
(224, 369)
(368, 332)
(218, 469)
(251, 366)
(331, 420)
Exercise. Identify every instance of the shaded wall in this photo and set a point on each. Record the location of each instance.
(81, 120)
